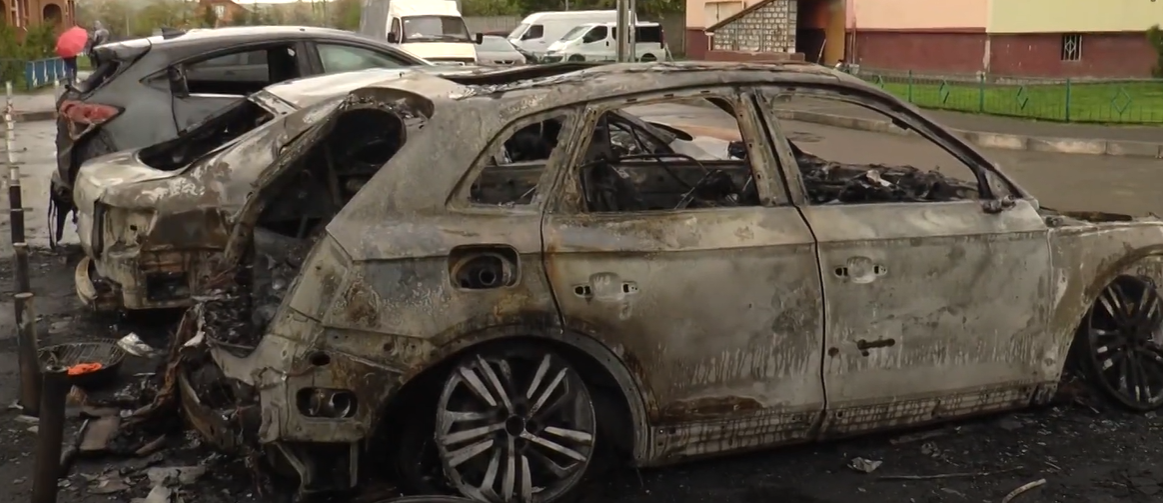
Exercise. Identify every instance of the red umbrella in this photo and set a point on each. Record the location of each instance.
(72, 42)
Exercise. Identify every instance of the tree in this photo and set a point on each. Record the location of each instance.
(209, 17)
(1155, 36)
(345, 14)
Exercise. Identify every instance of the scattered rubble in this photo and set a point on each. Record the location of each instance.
(133, 345)
(864, 465)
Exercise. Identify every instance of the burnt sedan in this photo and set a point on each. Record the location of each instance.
(495, 324)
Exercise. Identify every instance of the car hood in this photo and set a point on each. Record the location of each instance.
(441, 50)
(506, 55)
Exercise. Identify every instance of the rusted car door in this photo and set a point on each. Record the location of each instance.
(716, 311)
(933, 309)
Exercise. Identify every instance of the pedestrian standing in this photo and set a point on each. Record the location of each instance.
(99, 36)
(70, 44)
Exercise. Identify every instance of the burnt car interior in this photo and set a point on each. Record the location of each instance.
(630, 166)
(216, 133)
(512, 178)
(829, 181)
(309, 194)
(625, 170)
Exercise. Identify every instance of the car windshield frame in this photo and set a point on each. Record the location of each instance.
(576, 32)
(451, 29)
(518, 31)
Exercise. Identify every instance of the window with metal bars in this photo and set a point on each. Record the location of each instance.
(1071, 47)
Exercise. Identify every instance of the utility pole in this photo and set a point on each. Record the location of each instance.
(622, 28)
(631, 31)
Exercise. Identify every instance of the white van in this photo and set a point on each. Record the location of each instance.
(540, 29)
(599, 42)
(431, 29)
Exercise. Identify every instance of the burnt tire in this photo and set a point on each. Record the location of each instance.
(1120, 344)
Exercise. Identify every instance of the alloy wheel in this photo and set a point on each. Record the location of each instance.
(515, 425)
(1124, 335)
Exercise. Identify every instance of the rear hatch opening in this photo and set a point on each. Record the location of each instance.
(213, 134)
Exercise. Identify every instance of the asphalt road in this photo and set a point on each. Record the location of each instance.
(1086, 453)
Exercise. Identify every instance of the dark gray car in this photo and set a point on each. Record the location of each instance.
(151, 90)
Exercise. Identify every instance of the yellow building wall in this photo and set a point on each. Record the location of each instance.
(1066, 16)
(906, 15)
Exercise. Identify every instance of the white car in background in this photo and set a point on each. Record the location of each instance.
(540, 29)
(497, 51)
(599, 42)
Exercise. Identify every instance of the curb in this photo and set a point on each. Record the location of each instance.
(993, 140)
(37, 116)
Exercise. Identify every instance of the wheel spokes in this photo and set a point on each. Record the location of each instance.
(514, 430)
(1147, 308)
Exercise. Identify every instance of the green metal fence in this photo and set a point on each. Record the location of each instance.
(1127, 101)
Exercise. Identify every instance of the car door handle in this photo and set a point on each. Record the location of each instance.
(860, 270)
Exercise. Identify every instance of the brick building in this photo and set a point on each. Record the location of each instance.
(225, 11)
(26, 13)
(1035, 38)
(766, 29)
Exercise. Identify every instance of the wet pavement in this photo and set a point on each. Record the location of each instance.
(1085, 452)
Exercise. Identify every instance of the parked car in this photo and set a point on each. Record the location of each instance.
(497, 51)
(540, 29)
(599, 42)
(492, 321)
(150, 90)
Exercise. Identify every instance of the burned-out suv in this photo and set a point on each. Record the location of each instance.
(150, 90)
(495, 321)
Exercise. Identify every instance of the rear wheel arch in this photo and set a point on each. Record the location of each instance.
(602, 369)
(1142, 266)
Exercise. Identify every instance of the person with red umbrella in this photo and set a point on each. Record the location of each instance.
(70, 45)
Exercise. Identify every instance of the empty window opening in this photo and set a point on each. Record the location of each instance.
(631, 165)
(516, 160)
(845, 166)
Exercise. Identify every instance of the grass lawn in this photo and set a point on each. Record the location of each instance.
(1109, 102)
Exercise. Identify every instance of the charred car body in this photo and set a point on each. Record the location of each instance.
(488, 325)
(151, 90)
(150, 218)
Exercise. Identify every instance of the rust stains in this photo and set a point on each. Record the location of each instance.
(710, 407)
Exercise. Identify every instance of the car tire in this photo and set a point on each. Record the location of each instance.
(514, 417)
(648, 58)
(1120, 339)
(576, 57)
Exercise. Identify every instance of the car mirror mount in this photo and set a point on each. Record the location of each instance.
(393, 38)
(480, 38)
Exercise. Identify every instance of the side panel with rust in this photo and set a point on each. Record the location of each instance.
(934, 310)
